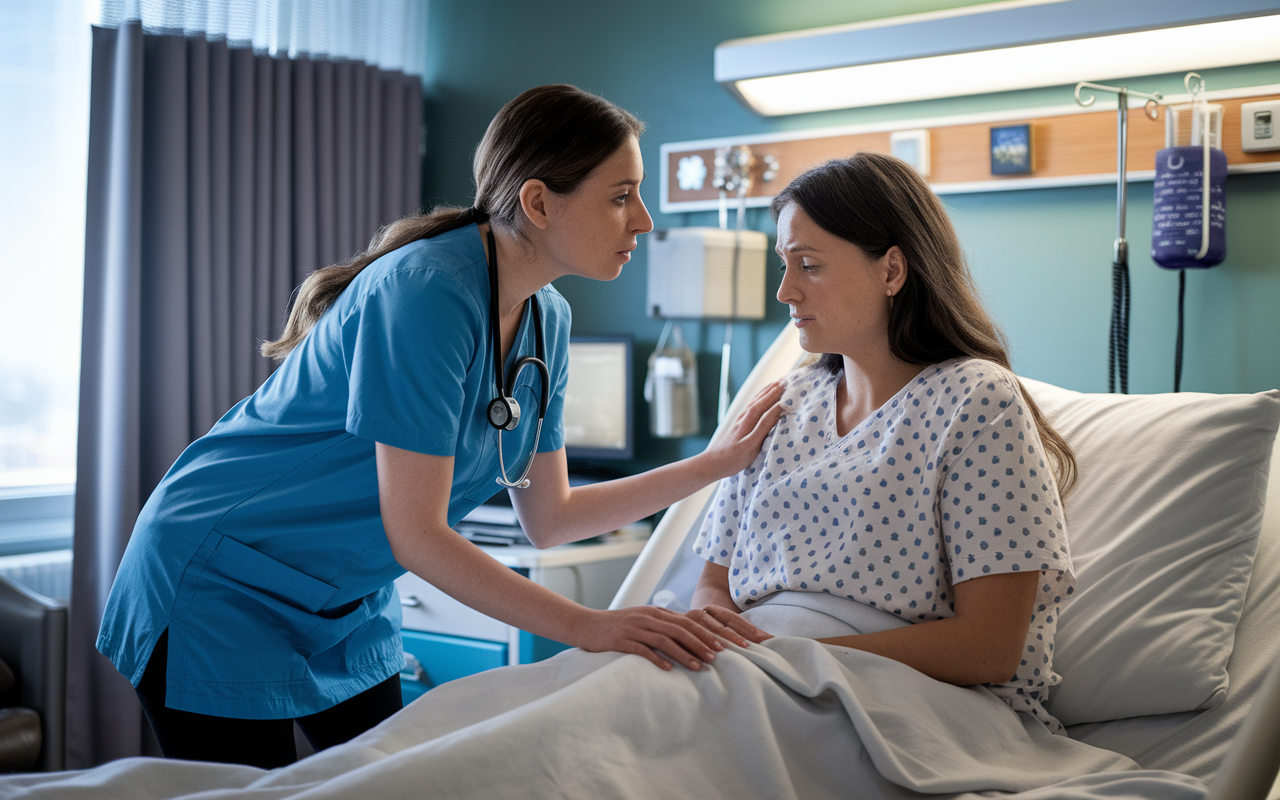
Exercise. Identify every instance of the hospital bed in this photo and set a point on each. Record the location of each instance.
(1167, 653)
(1196, 742)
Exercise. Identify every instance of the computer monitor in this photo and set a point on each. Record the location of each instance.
(597, 402)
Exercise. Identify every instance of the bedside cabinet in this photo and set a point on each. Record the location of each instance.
(444, 639)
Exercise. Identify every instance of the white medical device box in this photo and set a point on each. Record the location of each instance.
(1260, 126)
(691, 273)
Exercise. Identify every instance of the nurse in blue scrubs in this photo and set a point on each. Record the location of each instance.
(257, 587)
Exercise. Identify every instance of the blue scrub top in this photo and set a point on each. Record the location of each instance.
(262, 550)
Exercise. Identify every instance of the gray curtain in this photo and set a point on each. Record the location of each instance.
(218, 179)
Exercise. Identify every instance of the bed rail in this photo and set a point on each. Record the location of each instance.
(638, 588)
(1250, 767)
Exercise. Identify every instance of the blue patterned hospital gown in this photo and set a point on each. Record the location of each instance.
(945, 482)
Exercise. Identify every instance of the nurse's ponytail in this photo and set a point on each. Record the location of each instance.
(556, 134)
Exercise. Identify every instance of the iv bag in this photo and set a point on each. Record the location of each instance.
(671, 387)
(1179, 217)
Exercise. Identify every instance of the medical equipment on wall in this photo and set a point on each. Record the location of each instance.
(671, 387)
(504, 412)
(1259, 130)
(1189, 224)
(691, 274)
(1118, 346)
(714, 273)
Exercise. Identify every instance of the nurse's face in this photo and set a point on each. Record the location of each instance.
(839, 296)
(592, 230)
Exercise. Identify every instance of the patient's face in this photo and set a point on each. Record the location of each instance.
(837, 293)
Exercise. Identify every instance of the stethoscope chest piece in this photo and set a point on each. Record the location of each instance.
(504, 413)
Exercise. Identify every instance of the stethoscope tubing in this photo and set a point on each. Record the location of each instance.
(523, 481)
(507, 407)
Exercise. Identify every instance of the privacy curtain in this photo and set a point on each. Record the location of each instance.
(234, 147)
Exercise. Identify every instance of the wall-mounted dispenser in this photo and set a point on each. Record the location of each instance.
(691, 274)
(671, 387)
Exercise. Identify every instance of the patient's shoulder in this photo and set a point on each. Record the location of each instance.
(805, 384)
(975, 369)
(972, 378)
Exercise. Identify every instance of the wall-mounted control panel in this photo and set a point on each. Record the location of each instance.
(1260, 126)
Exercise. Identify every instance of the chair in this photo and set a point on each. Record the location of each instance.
(33, 642)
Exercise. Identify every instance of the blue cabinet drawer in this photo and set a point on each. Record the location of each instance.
(535, 648)
(432, 659)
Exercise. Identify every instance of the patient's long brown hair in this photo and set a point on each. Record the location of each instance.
(556, 134)
(877, 201)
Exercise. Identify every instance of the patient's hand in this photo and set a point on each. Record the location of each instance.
(715, 610)
(728, 625)
(739, 444)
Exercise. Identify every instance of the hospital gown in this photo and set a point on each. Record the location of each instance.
(946, 481)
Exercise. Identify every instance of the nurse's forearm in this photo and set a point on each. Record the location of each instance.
(463, 571)
(601, 507)
(553, 513)
(413, 492)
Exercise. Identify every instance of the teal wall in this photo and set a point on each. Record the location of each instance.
(1042, 258)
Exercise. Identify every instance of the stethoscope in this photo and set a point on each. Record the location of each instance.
(504, 412)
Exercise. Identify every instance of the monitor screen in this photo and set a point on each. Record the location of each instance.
(597, 402)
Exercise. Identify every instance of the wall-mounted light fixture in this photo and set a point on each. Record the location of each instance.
(995, 47)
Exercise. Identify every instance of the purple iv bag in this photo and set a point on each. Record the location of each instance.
(1178, 213)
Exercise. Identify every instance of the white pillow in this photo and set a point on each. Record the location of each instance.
(1163, 526)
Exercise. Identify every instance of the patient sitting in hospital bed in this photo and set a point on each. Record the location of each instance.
(911, 474)
(907, 508)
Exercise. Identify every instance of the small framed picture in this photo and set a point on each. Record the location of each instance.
(1012, 151)
(913, 148)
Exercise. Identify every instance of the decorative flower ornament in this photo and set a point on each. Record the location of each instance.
(691, 173)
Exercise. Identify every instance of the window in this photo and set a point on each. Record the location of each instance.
(44, 133)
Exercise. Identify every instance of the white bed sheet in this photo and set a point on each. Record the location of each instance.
(790, 718)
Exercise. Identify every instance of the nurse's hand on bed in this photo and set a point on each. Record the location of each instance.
(658, 634)
(734, 448)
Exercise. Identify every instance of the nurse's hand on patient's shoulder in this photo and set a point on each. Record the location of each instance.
(658, 634)
(728, 624)
(735, 452)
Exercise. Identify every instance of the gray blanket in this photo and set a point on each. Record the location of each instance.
(790, 718)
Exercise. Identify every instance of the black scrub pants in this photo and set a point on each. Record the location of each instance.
(266, 743)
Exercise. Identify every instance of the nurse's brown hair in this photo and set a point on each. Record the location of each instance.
(877, 201)
(556, 134)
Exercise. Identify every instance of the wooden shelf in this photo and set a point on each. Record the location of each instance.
(1072, 146)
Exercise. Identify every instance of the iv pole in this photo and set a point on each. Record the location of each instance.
(1118, 354)
(733, 173)
(734, 164)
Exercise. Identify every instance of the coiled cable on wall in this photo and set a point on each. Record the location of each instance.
(1118, 356)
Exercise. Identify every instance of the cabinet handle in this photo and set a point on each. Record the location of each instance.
(412, 601)
(413, 671)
